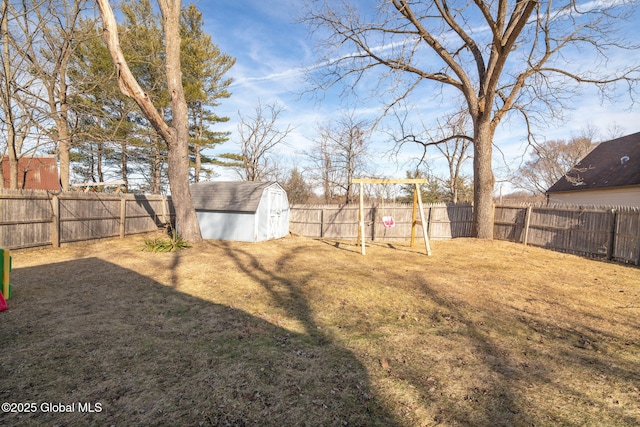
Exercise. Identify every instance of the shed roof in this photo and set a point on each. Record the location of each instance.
(614, 163)
(228, 196)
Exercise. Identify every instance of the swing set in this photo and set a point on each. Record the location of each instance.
(388, 220)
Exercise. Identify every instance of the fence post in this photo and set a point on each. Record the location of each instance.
(612, 234)
(638, 236)
(123, 217)
(373, 222)
(361, 220)
(322, 223)
(55, 221)
(527, 220)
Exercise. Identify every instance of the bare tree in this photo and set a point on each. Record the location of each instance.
(615, 130)
(9, 78)
(259, 135)
(323, 171)
(456, 152)
(52, 28)
(37, 40)
(340, 154)
(502, 56)
(450, 137)
(175, 136)
(551, 161)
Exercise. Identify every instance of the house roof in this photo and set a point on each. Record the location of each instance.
(34, 173)
(614, 163)
(228, 196)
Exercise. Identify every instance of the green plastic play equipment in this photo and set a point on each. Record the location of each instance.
(5, 266)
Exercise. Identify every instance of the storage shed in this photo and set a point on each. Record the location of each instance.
(241, 211)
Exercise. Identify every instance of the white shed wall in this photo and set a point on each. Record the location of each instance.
(611, 197)
(237, 226)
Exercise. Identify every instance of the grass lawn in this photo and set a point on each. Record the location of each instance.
(302, 332)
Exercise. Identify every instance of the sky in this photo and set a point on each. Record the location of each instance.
(272, 51)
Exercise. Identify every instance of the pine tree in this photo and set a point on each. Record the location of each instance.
(105, 118)
(204, 66)
(298, 191)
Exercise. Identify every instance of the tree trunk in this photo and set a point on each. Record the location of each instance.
(176, 136)
(454, 192)
(7, 104)
(13, 157)
(198, 163)
(99, 161)
(13, 169)
(197, 120)
(326, 177)
(156, 168)
(59, 109)
(58, 104)
(99, 155)
(178, 155)
(483, 180)
(64, 152)
(123, 164)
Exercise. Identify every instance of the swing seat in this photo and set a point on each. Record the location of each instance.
(388, 221)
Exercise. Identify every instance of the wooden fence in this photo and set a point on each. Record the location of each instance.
(32, 219)
(37, 218)
(341, 221)
(611, 233)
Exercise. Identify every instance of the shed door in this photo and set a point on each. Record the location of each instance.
(275, 212)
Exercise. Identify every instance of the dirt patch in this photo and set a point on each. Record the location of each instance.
(308, 332)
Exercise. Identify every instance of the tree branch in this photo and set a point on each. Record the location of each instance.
(128, 84)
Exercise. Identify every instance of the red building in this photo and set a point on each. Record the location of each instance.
(34, 173)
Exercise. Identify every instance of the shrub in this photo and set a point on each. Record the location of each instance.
(172, 243)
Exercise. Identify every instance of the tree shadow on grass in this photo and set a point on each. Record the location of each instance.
(88, 332)
(285, 293)
(489, 399)
(510, 363)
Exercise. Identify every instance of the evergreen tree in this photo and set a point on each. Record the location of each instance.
(298, 191)
(117, 141)
(204, 66)
(106, 119)
(431, 192)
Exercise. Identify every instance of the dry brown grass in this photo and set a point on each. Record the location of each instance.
(305, 332)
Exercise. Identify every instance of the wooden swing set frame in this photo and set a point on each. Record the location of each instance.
(417, 207)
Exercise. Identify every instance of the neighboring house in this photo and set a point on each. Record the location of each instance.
(34, 173)
(241, 211)
(608, 175)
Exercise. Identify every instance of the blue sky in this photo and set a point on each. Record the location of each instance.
(272, 51)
